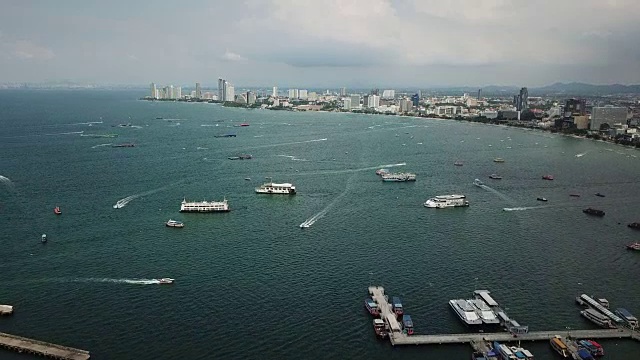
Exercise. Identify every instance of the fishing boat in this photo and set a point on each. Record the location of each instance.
(547, 177)
(541, 199)
(498, 160)
(57, 211)
(635, 246)
(407, 324)
(495, 177)
(44, 238)
(174, 223)
(592, 211)
(165, 281)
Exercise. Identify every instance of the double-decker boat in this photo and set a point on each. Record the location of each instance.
(592, 211)
(398, 177)
(598, 318)
(484, 311)
(204, 206)
(274, 188)
(465, 312)
(174, 223)
(557, 343)
(445, 201)
(407, 324)
(371, 306)
(379, 328)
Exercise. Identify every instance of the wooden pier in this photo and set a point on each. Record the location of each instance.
(41, 348)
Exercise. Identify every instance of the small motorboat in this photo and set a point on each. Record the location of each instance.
(498, 160)
(574, 195)
(634, 246)
(541, 199)
(174, 223)
(304, 226)
(57, 211)
(44, 238)
(495, 176)
(165, 281)
(547, 177)
(599, 194)
(244, 124)
(248, 179)
(477, 182)
(458, 163)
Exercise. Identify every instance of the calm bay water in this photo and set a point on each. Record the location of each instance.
(251, 283)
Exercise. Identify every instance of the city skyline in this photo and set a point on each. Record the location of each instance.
(356, 44)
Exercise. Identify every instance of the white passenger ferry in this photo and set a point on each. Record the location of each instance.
(273, 188)
(445, 201)
(204, 206)
(465, 312)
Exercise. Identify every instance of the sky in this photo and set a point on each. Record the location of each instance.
(321, 43)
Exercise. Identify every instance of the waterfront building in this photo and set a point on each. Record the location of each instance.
(222, 83)
(165, 93)
(274, 92)
(302, 94)
(198, 93)
(313, 96)
(177, 92)
(373, 101)
(294, 94)
(415, 100)
(355, 101)
(581, 122)
(251, 98)
(171, 92)
(521, 101)
(389, 94)
(365, 101)
(606, 116)
(343, 91)
(240, 99)
(154, 91)
(575, 107)
(229, 93)
(405, 105)
(346, 103)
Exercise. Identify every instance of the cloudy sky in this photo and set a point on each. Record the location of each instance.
(324, 43)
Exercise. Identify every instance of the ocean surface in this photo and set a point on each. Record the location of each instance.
(251, 284)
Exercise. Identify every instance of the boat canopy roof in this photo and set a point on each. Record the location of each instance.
(625, 314)
(406, 320)
(378, 321)
(397, 302)
(450, 197)
(503, 316)
(484, 294)
(278, 185)
(371, 303)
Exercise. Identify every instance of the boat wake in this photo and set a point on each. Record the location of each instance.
(124, 201)
(524, 208)
(101, 145)
(293, 158)
(290, 143)
(501, 195)
(6, 181)
(312, 220)
(66, 133)
(350, 170)
(119, 281)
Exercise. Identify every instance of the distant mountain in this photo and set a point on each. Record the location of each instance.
(576, 88)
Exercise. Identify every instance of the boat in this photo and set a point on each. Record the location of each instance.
(634, 246)
(165, 281)
(204, 206)
(248, 178)
(604, 302)
(304, 225)
(559, 346)
(634, 225)
(547, 177)
(274, 188)
(382, 172)
(241, 157)
(174, 223)
(504, 351)
(518, 352)
(599, 195)
(484, 311)
(398, 177)
(407, 324)
(44, 238)
(126, 145)
(527, 354)
(587, 345)
(600, 349)
(159, 118)
(465, 311)
(57, 211)
(244, 124)
(584, 354)
(598, 318)
(541, 199)
(592, 211)
(477, 182)
(498, 160)
(371, 306)
(574, 195)
(379, 328)
(477, 355)
(225, 135)
(397, 306)
(445, 201)
(458, 163)
(495, 177)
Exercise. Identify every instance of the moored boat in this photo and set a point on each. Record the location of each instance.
(165, 281)
(559, 346)
(635, 246)
(574, 195)
(599, 195)
(174, 223)
(273, 188)
(57, 211)
(592, 211)
(396, 305)
(379, 328)
(371, 306)
(407, 324)
(599, 348)
(598, 318)
(634, 225)
(477, 355)
(547, 177)
(465, 311)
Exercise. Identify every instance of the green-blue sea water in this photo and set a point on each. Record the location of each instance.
(251, 284)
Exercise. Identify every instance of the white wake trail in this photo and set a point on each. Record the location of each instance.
(312, 220)
(6, 181)
(501, 195)
(119, 281)
(124, 201)
(66, 133)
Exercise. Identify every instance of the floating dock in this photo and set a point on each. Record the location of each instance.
(6, 309)
(41, 348)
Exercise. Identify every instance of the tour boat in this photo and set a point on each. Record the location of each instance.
(547, 177)
(598, 318)
(273, 188)
(407, 324)
(498, 160)
(445, 201)
(495, 177)
(398, 177)
(44, 238)
(592, 211)
(57, 211)
(634, 246)
(379, 328)
(371, 306)
(559, 346)
(628, 317)
(397, 306)
(541, 199)
(174, 223)
(165, 281)
(204, 206)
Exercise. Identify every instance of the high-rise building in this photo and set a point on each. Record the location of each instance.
(355, 101)
(251, 98)
(373, 101)
(313, 96)
(154, 91)
(274, 93)
(222, 89)
(230, 94)
(521, 101)
(346, 103)
(405, 105)
(178, 92)
(365, 101)
(171, 92)
(294, 94)
(415, 100)
(389, 94)
(375, 92)
(575, 107)
(303, 95)
(607, 115)
(165, 93)
(198, 94)
(343, 91)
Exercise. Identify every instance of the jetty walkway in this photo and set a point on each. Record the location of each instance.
(41, 348)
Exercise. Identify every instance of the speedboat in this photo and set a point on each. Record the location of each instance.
(477, 182)
(458, 163)
(541, 199)
(57, 211)
(44, 238)
(174, 223)
(634, 246)
(304, 225)
(498, 160)
(599, 194)
(547, 177)
(165, 281)
(248, 179)
(574, 195)
(495, 176)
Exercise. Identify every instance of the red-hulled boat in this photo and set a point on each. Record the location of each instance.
(379, 328)
(57, 211)
(244, 124)
(372, 306)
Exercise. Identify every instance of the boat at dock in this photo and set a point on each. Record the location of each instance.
(379, 328)
(478, 183)
(598, 318)
(445, 201)
(204, 206)
(165, 281)
(174, 223)
(274, 188)
(398, 177)
(547, 177)
(635, 246)
(627, 316)
(43, 239)
(599, 348)
(465, 311)
(557, 344)
(504, 351)
(396, 305)
(484, 312)
(57, 211)
(371, 306)
(592, 211)
(478, 355)
(498, 160)
(495, 177)
(583, 354)
(584, 299)
(407, 324)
